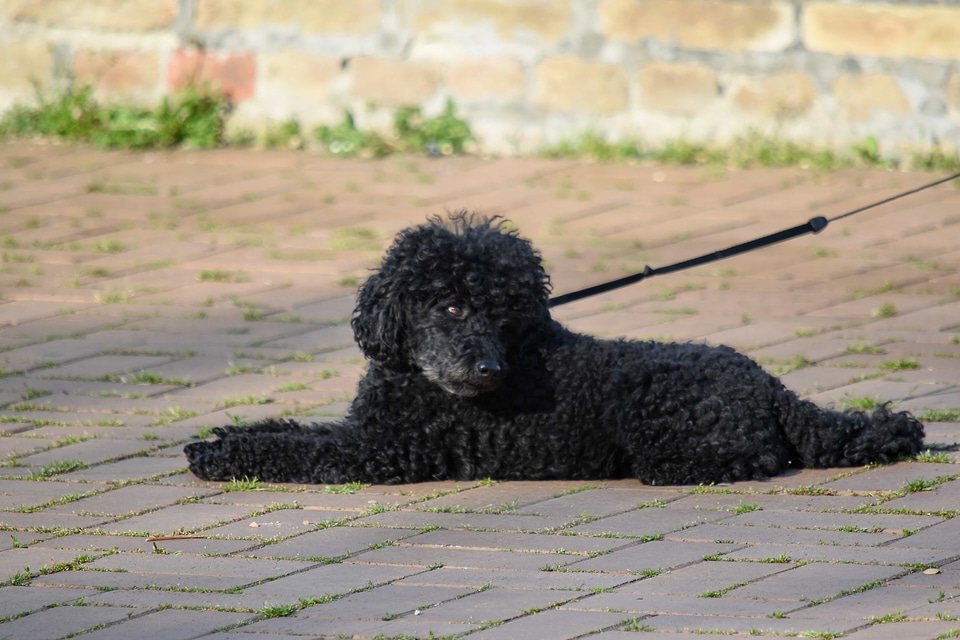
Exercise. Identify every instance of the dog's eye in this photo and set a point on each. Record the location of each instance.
(456, 312)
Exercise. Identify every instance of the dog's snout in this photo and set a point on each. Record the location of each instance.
(489, 369)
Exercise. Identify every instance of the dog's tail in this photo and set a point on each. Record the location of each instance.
(825, 438)
(270, 451)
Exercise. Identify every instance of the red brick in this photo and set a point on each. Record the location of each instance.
(232, 74)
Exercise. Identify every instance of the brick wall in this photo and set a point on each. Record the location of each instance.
(523, 72)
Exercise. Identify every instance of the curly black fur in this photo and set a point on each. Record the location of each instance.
(469, 377)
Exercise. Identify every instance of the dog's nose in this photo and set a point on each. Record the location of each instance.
(489, 369)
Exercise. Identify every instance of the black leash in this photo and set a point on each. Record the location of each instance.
(813, 225)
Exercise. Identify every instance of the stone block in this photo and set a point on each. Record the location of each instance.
(547, 20)
(301, 75)
(345, 17)
(781, 96)
(24, 61)
(953, 93)
(233, 74)
(860, 96)
(888, 30)
(570, 84)
(126, 75)
(723, 26)
(487, 78)
(110, 15)
(680, 89)
(394, 82)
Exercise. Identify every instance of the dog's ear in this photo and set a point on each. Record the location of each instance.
(378, 320)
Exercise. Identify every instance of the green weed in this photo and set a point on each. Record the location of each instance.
(886, 310)
(56, 468)
(940, 415)
(862, 347)
(245, 484)
(218, 275)
(929, 456)
(346, 140)
(445, 134)
(746, 508)
(192, 118)
(901, 364)
(864, 403)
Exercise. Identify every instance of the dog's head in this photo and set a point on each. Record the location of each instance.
(452, 300)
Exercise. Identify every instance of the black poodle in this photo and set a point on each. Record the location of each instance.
(469, 377)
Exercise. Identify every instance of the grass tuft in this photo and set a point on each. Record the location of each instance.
(193, 118)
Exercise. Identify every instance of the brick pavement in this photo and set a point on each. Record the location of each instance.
(149, 297)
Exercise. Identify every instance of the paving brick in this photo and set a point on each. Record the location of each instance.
(516, 541)
(873, 603)
(129, 469)
(137, 544)
(553, 624)
(892, 477)
(633, 603)
(751, 534)
(53, 522)
(385, 602)
(331, 579)
(89, 452)
(647, 522)
(16, 494)
(725, 625)
(51, 624)
(939, 498)
(177, 518)
(656, 555)
(921, 630)
(18, 600)
(494, 604)
(816, 580)
(172, 625)
(332, 542)
(313, 501)
(129, 499)
(704, 577)
(397, 628)
(553, 580)
(892, 523)
(597, 503)
(501, 522)
(931, 537)
(276, 525)
(822, 553)
(32, 561)
(410, 555)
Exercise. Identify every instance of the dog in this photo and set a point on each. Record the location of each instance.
(469, 377)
